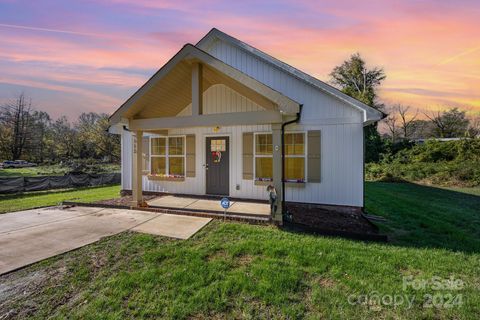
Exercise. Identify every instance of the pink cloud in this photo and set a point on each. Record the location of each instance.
(429, 49)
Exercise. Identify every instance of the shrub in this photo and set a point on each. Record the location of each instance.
(444, 163)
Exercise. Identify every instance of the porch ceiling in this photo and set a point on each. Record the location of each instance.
(173, 93)
(170, 90)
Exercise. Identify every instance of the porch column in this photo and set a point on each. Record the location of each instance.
(277, 169)
(137, 161)
(197, 90)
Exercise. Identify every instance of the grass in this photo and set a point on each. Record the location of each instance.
(29, 200)
(234, 270)
(52, 170)
(426, 216)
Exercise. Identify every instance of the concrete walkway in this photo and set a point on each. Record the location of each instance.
(243, 207)
(33, 235)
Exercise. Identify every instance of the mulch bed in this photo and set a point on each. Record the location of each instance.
(325, 219)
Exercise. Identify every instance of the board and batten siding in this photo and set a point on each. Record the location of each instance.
(221, 99)
(341, 170)
(340, 125)
(197, 185)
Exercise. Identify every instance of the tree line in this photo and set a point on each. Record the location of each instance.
(403, 124)
(30, 134)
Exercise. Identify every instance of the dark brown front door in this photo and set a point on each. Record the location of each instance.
(217, 165)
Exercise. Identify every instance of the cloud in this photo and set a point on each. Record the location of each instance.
(3, 25)
(101, 50)
(458, 56)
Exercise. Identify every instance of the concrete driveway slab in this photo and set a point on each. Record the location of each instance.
(33, 235)
(172, 225)
(28, 218)
(23, 243)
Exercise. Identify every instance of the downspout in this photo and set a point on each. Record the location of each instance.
(297, 118)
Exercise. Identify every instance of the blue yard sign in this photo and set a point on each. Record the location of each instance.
(225, 203)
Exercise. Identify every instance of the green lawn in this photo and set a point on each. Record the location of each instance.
(233, 270)
(52, 170)
(25, 201)
(427, 216)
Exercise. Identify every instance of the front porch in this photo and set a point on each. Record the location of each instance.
(199, 116)
(209, 205)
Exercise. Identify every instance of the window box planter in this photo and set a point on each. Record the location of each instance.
(263, 181)
(165, 178)
(288, 183)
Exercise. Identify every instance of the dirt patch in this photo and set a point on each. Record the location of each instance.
(326, 282)
(331, 218)
(23, 292)
(244, 259)
(219, 254)
(24, 285)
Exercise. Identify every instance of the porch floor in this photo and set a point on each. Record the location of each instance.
(236, 207)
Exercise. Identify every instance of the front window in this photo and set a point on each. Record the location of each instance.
(263, 157)
(294, 157)
(168, 156)
(176, 156)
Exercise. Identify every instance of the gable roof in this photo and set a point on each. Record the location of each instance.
(370, 114)
(216, 71)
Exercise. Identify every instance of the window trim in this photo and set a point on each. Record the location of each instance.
(167, 156)
(304, 156)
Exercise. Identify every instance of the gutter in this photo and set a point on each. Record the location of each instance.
(297, 118)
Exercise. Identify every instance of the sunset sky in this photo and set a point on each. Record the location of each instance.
(80, 56)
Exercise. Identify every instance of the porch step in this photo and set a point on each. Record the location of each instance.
(250, 218)
(215, 212)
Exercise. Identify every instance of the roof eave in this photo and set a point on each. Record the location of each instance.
(285, 104)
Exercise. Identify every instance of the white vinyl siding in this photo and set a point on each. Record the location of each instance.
(221, 99)
(341, 138)
(341, 166)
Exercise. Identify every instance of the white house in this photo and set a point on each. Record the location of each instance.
(222, 118)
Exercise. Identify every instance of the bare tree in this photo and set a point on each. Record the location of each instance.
(16, 116)
(407, 120)
(392, 125)
(37, 144)
(474, 127)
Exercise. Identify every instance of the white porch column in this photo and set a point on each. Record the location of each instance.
(277, 169)
(137, 161)
(197, 90)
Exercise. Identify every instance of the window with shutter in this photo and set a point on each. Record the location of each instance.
(247, 155)
(167, 156)
(314, 155)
